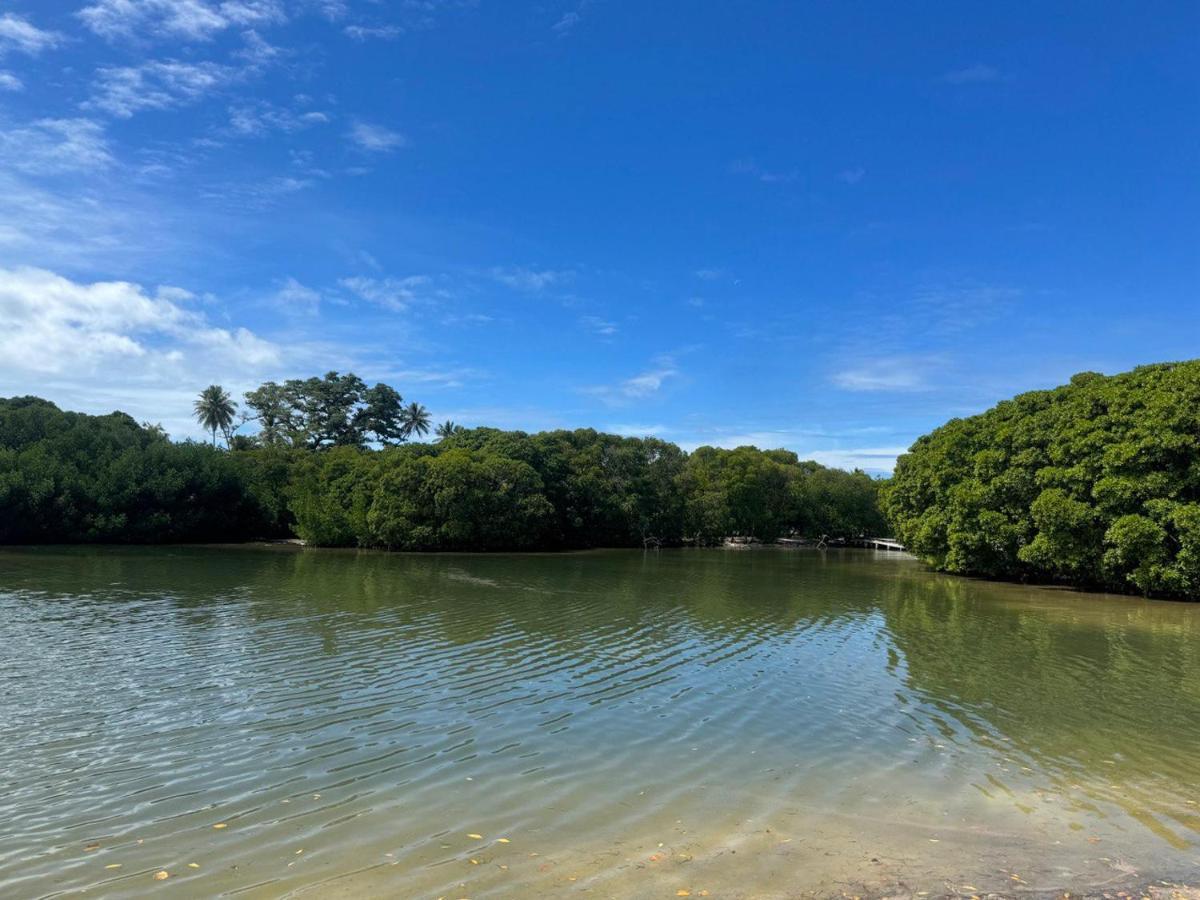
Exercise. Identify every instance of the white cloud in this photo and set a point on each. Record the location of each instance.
(435, 378)
(52, 146)
(647, 383)
(263, 193)
(158, 84)
(366, 32)
(887, 374)
(567, 22)
(599, 326)
(530, 280)
(376, 138)
(189, 19)
(293, 296)
(10, 82)
(639, 387)
(51, 325)
(976, 74)
(390, 293)
(259, 118)
(627, 430)
(766, 176)
(869, 459)
(853, 176)
(17, 33)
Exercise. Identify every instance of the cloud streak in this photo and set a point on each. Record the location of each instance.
(195, 20)
(17, 33)
(376, 138)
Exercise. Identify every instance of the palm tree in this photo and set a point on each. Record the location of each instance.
(447, 429)
(214, 410)
(416, 420)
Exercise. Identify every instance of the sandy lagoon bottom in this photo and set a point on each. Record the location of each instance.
(620, 724)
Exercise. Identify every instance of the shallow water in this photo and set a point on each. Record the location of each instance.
(625, 724)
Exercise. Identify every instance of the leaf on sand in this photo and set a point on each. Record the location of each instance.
(113, 866)
(683, 893)
(221, 825)
(502, 841)
(474, 862)
(92, 846)
(162, 875)
(193, 865)
(475, 837)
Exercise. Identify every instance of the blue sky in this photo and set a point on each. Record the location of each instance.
(824, 226)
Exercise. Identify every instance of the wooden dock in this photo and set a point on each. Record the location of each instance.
(879, 543)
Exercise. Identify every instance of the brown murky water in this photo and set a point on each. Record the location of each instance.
(621, 724)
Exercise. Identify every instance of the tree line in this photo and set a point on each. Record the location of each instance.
(333, 462)
(485, 489)
(1094, 484)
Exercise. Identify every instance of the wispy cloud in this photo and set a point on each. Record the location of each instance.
(852, 176)
(376, 138)
(257, 118)
(54, 146)
(629, 430)
(638, 387)
(437, 378)
(976, 74)
(396, 294)
(10, 82)
(901, 373)
(567, 22)
(294, 297)
(530, 280)
(953, 308)
(368, 32)
(257, 194)
(599, 326)
(752, 169)
(196, 20)
(17, 33)
(123, 91)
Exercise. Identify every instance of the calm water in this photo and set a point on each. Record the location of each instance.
(749, 724)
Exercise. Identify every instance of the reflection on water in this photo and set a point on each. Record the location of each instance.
(743, 723)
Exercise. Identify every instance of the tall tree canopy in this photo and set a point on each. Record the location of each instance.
(1095, 483)
(333, 411)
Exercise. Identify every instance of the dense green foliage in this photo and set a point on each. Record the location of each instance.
(1095, 484)
(73, 477)
(333, 411)
(489, 489)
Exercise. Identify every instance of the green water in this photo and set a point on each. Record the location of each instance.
(750, 724)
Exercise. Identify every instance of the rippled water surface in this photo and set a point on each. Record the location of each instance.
(265, 722)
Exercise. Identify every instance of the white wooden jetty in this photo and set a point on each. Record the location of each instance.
(880, 543)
